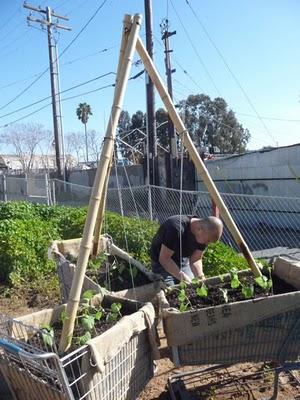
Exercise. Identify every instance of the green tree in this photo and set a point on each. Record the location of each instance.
(83, 112)
(210, 122)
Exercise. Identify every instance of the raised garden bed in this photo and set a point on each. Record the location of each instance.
(257, 329)
(115, 274)
(117, 364)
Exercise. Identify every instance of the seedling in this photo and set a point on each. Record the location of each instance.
(202, 291)
(248, 291)
(47, 335)
(184, 302)
(235, 282)
(264, 282)
(114, 312)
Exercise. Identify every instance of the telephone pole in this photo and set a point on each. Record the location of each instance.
(169, 71)
(54, 78)
(151, 126)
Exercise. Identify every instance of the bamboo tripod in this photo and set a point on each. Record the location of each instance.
(129, 43)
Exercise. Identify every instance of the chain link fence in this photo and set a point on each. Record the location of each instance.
(264, 221)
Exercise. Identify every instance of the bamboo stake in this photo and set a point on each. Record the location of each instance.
(201, 168)
(97, 234)
(87, 238)
(99, 220)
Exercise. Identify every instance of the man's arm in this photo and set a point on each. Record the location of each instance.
(165, 259)
(196, 264)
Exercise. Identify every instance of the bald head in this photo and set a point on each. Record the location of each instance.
(207, 230)
(213, 226)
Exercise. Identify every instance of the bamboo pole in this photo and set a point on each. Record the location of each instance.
(199, 164)
(98, 227)
(87, 238)
(99, 220)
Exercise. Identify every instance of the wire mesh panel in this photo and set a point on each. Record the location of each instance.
(264, 221)
(35, 373)
(261, 341)
(69, 194)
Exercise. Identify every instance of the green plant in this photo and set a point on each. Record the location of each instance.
(219, 259)
(248, 291)
(184, 302)
(87, 316)
(114, 313)
(202, 291)
(264, 282)
(23, 250)
(47, 335)
(235, 282)
(95, 263)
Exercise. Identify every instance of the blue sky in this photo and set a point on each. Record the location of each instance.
(245, 51)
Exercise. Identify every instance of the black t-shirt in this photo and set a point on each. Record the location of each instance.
(169, 235)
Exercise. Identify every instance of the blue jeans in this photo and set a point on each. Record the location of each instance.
(170, 280)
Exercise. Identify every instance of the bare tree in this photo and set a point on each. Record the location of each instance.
(24, 139)
(75, 144)
(94, 145)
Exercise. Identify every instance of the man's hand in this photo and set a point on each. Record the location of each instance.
(184, 277)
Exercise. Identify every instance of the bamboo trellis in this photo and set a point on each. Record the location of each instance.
(129, 43)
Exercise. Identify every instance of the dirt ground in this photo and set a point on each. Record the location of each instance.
(245, 381)
(238, 382)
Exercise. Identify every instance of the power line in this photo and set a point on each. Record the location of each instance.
(230, 71)
(195, 50)
(25, 90)
(65, 99)
(83, 28)
(65, 49)
(66, 63)
(10, 18)
(63, 91)
(270, 118)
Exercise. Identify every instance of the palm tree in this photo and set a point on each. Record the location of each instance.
(83, 112)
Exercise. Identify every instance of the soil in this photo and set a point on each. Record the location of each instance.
(242, 381)
(215, 295)
(107, 320)
(116, 275)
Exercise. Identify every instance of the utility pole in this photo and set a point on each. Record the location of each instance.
(151, 126)
(169, 71)
(54, 77)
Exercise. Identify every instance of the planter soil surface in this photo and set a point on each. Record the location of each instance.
(215, 295)
(81, 333)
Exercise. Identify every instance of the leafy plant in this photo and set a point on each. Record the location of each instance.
(235, 282)
(264, 282)
(87, 316)
(47, 335)
(114, 313)
(202, 291)
(248, 291)
(23, 250)
(219, 259)
(95, 263)
(182, 297)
